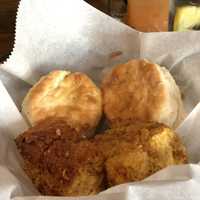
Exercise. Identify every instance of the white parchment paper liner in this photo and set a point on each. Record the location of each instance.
(61, 34)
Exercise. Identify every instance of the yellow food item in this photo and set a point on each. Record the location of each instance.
(187, 18)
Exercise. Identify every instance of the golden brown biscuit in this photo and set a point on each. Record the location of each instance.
(134, 152)
(72, 96)
(140, 90)
(59, 161)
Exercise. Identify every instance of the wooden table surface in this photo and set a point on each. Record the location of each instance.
(8, 9)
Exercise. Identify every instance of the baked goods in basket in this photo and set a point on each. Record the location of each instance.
(62, 162)
(65, 107)
(72, 96)
(141, 90)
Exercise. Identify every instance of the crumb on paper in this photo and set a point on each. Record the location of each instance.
(115, 54)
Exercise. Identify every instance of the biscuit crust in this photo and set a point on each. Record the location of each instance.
(139, 90)
(72, 96)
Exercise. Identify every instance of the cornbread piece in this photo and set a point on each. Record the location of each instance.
(134, 152)
(72, 96)
(141, 90)
(60, 161)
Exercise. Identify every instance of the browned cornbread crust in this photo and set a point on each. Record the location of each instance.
(58, 163)
(61, 161)
(134, 152)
